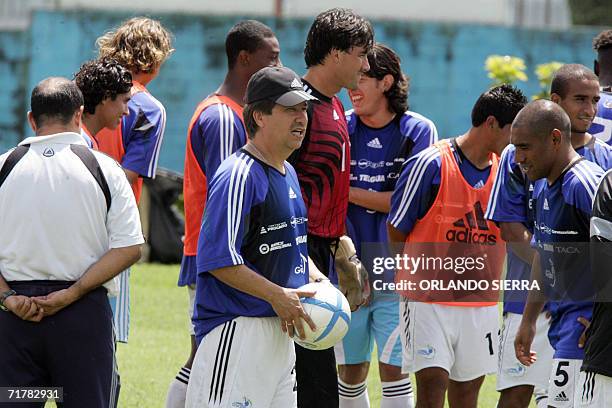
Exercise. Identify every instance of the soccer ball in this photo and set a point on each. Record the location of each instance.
(330, 312)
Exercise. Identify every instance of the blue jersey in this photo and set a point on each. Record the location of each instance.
(597, 152)
(602, 124)
(562, 213)
(254, 216)
(419, 182)
(215, 132)
(377, 156)
(511, 201)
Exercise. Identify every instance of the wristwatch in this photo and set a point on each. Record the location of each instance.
(4, 296)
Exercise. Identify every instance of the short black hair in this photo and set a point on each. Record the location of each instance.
(265, 106)
(339, 29)
(246, 35)
(603, 41)
(568, 73)
(100, 79)
(384, 61)
(55, 99)
(502, 102)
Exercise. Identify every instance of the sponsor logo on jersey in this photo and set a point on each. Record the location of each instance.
(301, 239)
(392, 175)
(545, 206)
(545, 229)
(372, 179)
(365, 163)
(480, 184)
(471, 228)
(428, 352)
(298, 220)
(561, 397)
(301, 268)
(375, 144)
(292, 193)
(273, 227)
(265, 248)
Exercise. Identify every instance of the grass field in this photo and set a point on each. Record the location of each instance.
(159, 343)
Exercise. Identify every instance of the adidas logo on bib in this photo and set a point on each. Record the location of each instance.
(561, 397)
(472, 228)
(375, 143)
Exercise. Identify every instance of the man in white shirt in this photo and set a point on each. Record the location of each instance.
(69, 225)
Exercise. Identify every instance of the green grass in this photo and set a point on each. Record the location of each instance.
(159, 343)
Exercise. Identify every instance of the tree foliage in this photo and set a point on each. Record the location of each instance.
(591, 12)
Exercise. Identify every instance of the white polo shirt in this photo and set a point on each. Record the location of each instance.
(53, 218)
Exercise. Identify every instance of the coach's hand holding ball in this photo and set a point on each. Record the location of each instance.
(286, 303)
(329, 310)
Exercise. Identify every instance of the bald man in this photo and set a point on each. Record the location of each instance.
(56, 327)
(564, 188)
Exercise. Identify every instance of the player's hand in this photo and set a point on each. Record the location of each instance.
(522, 344)
(288, 307)
(55, 301)
(586, 323)
(24, 308)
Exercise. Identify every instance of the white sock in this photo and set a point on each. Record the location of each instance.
(353, 395)
(178, 389)
(397, 394)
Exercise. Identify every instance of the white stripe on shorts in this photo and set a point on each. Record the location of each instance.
(121, 319)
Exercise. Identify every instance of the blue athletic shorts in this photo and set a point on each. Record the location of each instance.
(377, 322)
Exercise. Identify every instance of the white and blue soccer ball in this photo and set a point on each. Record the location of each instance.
(330, 312)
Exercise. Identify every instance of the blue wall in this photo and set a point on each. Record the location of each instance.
(445, 63)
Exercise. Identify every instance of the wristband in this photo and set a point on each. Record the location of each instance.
(4, 296)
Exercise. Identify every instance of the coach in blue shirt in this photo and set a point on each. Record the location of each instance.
(252, 255)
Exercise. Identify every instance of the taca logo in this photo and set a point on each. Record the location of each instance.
(472, 229)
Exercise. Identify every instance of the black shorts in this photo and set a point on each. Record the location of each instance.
(317, 380)
(73, 349)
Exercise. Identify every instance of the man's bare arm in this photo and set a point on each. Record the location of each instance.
(372, 200)
(518, 237)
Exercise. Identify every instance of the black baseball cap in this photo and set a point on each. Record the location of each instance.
(277, 84)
